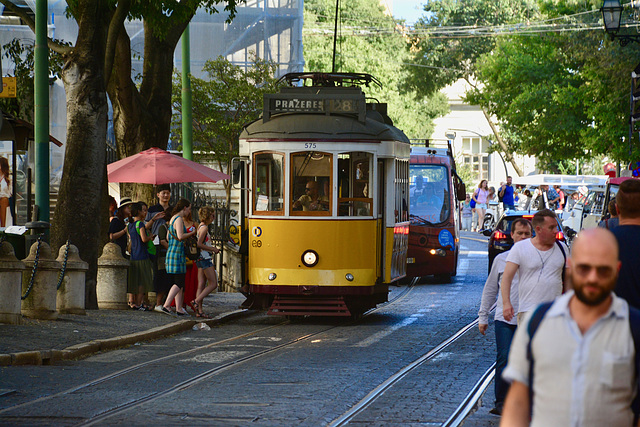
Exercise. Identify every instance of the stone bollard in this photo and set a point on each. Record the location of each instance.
(10, 285)
(40, 302)
(71, 291)
(111, 288)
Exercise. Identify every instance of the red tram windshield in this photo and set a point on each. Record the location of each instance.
(429, 194)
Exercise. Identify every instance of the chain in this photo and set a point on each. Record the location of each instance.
(35, 268)
(64, 265)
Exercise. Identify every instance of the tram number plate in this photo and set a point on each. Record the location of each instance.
(256, 243)
(411, 260)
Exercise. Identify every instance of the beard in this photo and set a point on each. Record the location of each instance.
(594, 298)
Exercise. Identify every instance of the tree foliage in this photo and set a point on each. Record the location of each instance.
(223, 104)
(441, 59)
(558, 95)
(371, 51)
(20, 55)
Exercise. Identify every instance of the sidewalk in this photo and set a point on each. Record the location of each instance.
(37, 342)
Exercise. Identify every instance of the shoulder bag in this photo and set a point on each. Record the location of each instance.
(190, 245)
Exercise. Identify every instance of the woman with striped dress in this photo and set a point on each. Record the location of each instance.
(176, 262)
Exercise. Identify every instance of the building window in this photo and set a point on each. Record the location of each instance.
(474, 153)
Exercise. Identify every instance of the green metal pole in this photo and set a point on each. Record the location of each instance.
(41, 95)
(187, 117)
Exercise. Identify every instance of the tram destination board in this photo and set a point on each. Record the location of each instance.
(315, 104)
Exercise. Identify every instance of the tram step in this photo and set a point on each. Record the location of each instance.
(316, 306)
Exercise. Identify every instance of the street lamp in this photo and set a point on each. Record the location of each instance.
(611, 16)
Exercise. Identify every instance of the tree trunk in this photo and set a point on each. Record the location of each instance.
(142, 118)
(503, 146)
(81, 214)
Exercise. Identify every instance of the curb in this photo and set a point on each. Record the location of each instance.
(77, 351)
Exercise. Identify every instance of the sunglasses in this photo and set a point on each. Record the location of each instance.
(601, 271)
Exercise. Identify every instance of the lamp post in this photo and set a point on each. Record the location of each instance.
(611, 16)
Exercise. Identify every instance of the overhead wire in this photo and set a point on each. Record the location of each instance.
(466, 31)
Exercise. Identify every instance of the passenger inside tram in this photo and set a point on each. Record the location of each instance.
(311, 200)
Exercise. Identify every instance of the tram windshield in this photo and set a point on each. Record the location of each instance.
(311, 183)
(429, 194)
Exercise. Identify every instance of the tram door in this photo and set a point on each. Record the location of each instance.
(381, 228)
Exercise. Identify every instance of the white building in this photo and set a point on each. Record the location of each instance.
(471, 135)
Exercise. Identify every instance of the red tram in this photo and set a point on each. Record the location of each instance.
(434, 192)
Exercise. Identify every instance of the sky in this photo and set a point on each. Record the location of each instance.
(409, 10)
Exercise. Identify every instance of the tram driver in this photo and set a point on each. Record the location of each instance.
(312, 200)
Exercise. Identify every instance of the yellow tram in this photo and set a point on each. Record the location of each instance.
(326, 204)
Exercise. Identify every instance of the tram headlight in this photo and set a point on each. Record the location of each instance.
(349, 277)
(309, 258)
(272, 276)
(439, 252)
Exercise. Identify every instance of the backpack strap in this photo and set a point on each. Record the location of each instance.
(634, 326)
(564, 264)
(532, 327)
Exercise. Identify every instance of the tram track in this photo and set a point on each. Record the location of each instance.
(464, 409)
(199, 377)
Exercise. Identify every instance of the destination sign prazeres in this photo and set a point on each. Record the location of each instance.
(302, 103)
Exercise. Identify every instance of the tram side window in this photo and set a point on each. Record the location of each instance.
(268, 183)
(311, 183)
(401, 189)
(354, 184)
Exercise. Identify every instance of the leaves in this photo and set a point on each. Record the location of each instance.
(558, 95)
(224, 103)
(366, 44)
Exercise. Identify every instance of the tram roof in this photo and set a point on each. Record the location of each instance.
(323, 127)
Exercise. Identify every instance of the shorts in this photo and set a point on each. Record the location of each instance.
(481, 206)
(177, 279)
(204, 263)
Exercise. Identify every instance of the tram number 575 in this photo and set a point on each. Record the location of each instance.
(310, 145)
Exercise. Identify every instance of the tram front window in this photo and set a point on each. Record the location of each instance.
(268, 183)
(311, 183)
(429, 193)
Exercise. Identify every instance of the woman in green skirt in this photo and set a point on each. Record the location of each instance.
(140, 279)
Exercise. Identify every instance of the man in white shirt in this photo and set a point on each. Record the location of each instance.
(520, 230)
(540, 264)
(580, 370)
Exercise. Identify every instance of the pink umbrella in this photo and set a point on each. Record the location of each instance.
(156, 166)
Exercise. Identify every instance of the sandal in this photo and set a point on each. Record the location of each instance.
(132, 306)
(203, 315)
(194, 306)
